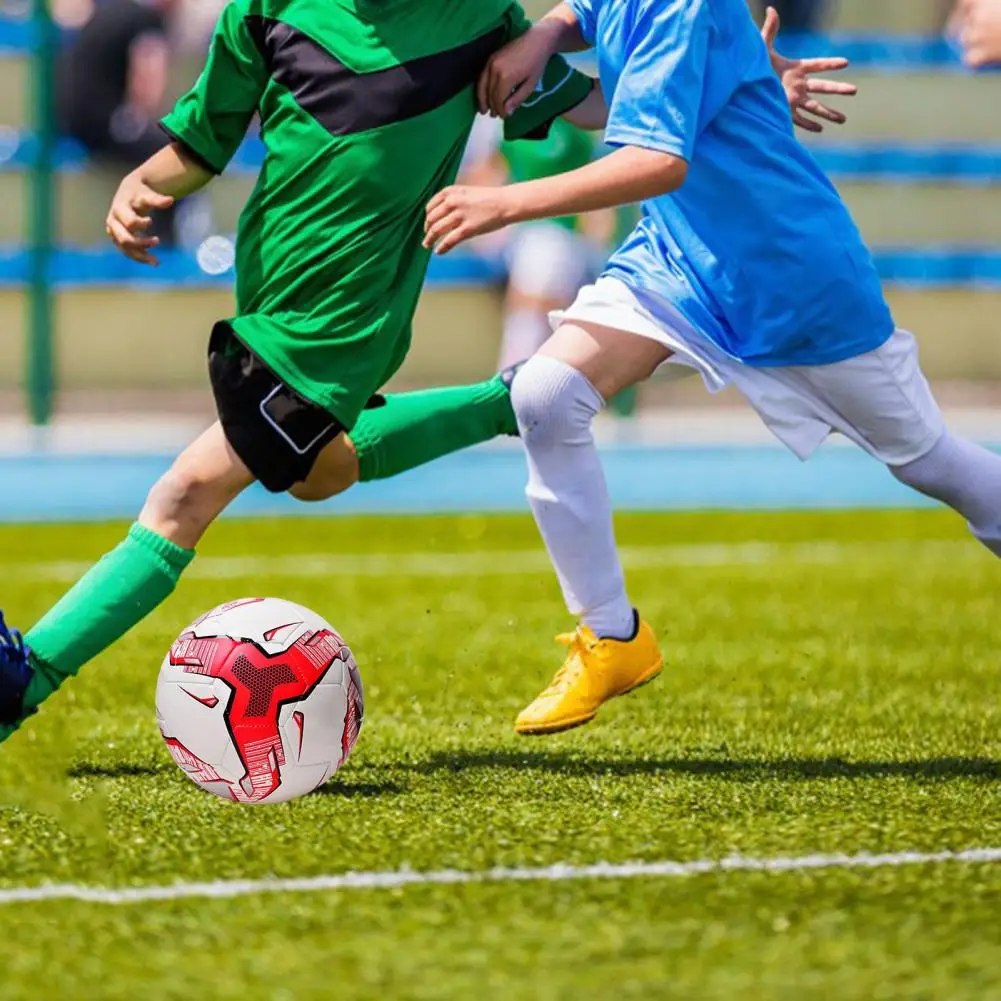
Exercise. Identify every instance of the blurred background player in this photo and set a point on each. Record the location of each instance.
(113, 87)
(976, 25)
(546, 263)
(798, 15)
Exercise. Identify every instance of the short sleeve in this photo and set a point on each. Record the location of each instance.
(560, 90)
(586, 18)
(211, 120)
(659, 95)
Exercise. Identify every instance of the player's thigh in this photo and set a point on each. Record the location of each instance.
(211, 460)
(882, 400)
(335, 470)
(277, 433)
(611, 359)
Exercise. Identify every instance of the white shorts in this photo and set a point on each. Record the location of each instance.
(880, 400)
(548, 261)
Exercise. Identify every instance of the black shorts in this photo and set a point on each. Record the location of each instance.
(276, 432)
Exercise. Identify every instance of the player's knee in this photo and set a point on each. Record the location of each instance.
(307, 493)
(314, 490)
(536, 306)
(911, 476)
(181, 496)
(336, 470)
(935, 471)
(554, 403)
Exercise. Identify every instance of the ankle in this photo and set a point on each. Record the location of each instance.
(616, 622)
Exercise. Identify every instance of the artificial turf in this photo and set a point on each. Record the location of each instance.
(832, 687)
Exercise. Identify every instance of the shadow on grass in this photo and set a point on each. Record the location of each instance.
(130, 770)
(730, 769)
(359, 790)
(116, 770)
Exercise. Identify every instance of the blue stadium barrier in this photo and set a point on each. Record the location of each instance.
(930, 267)
(76, 268)
(883, 52)
(16, 36)
(951, 163)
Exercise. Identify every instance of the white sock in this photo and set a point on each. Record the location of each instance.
(525, 331)
(967, 478)
(555, 406)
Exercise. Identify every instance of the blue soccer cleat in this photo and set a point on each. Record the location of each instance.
(16, 673)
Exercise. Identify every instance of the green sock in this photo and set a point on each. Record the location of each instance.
(624, 405)
(415, 428)
(117, 592)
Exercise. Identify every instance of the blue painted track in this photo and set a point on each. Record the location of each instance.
(40, 488)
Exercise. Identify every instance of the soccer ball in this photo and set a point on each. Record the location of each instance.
(259, 701)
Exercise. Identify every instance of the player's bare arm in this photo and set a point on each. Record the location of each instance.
(155, 185)
(513, 72)
(627, 176)
(591, 114)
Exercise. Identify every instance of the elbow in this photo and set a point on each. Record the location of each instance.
(672, 173)
(657, 173)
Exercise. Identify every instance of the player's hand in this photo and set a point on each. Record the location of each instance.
(129, 219)
(512, 73)
(460, 213)
(800, 85)
(979, 29)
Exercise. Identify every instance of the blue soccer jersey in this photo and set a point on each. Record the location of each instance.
(756, 249)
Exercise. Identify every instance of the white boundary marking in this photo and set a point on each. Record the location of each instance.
(507, 562)
(551, 874)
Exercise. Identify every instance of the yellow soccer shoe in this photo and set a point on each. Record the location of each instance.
(595, 671)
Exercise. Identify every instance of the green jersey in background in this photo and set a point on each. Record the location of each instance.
(365, 109)
(565, 148)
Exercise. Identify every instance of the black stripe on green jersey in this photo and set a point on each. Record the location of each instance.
(345, 102)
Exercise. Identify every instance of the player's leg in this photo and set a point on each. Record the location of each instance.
(401, 431)
(966, 477)
(891, 411)
(548, 266)
(206, 478)
(250, 442)
(556, 397)
(127, 583)
(882, 401)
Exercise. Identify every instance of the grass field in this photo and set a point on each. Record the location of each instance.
(832, 688)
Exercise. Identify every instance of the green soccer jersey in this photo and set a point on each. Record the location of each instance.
(365, 108)
(566, 148)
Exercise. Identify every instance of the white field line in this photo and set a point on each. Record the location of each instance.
(484, 563)
(551, 874)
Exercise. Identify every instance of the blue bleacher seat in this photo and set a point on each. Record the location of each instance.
(953, 164)
(926, 267)
(888, 52)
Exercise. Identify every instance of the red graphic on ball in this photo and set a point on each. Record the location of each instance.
(261, 685)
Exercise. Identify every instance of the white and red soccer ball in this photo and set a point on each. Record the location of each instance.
(259, 701)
